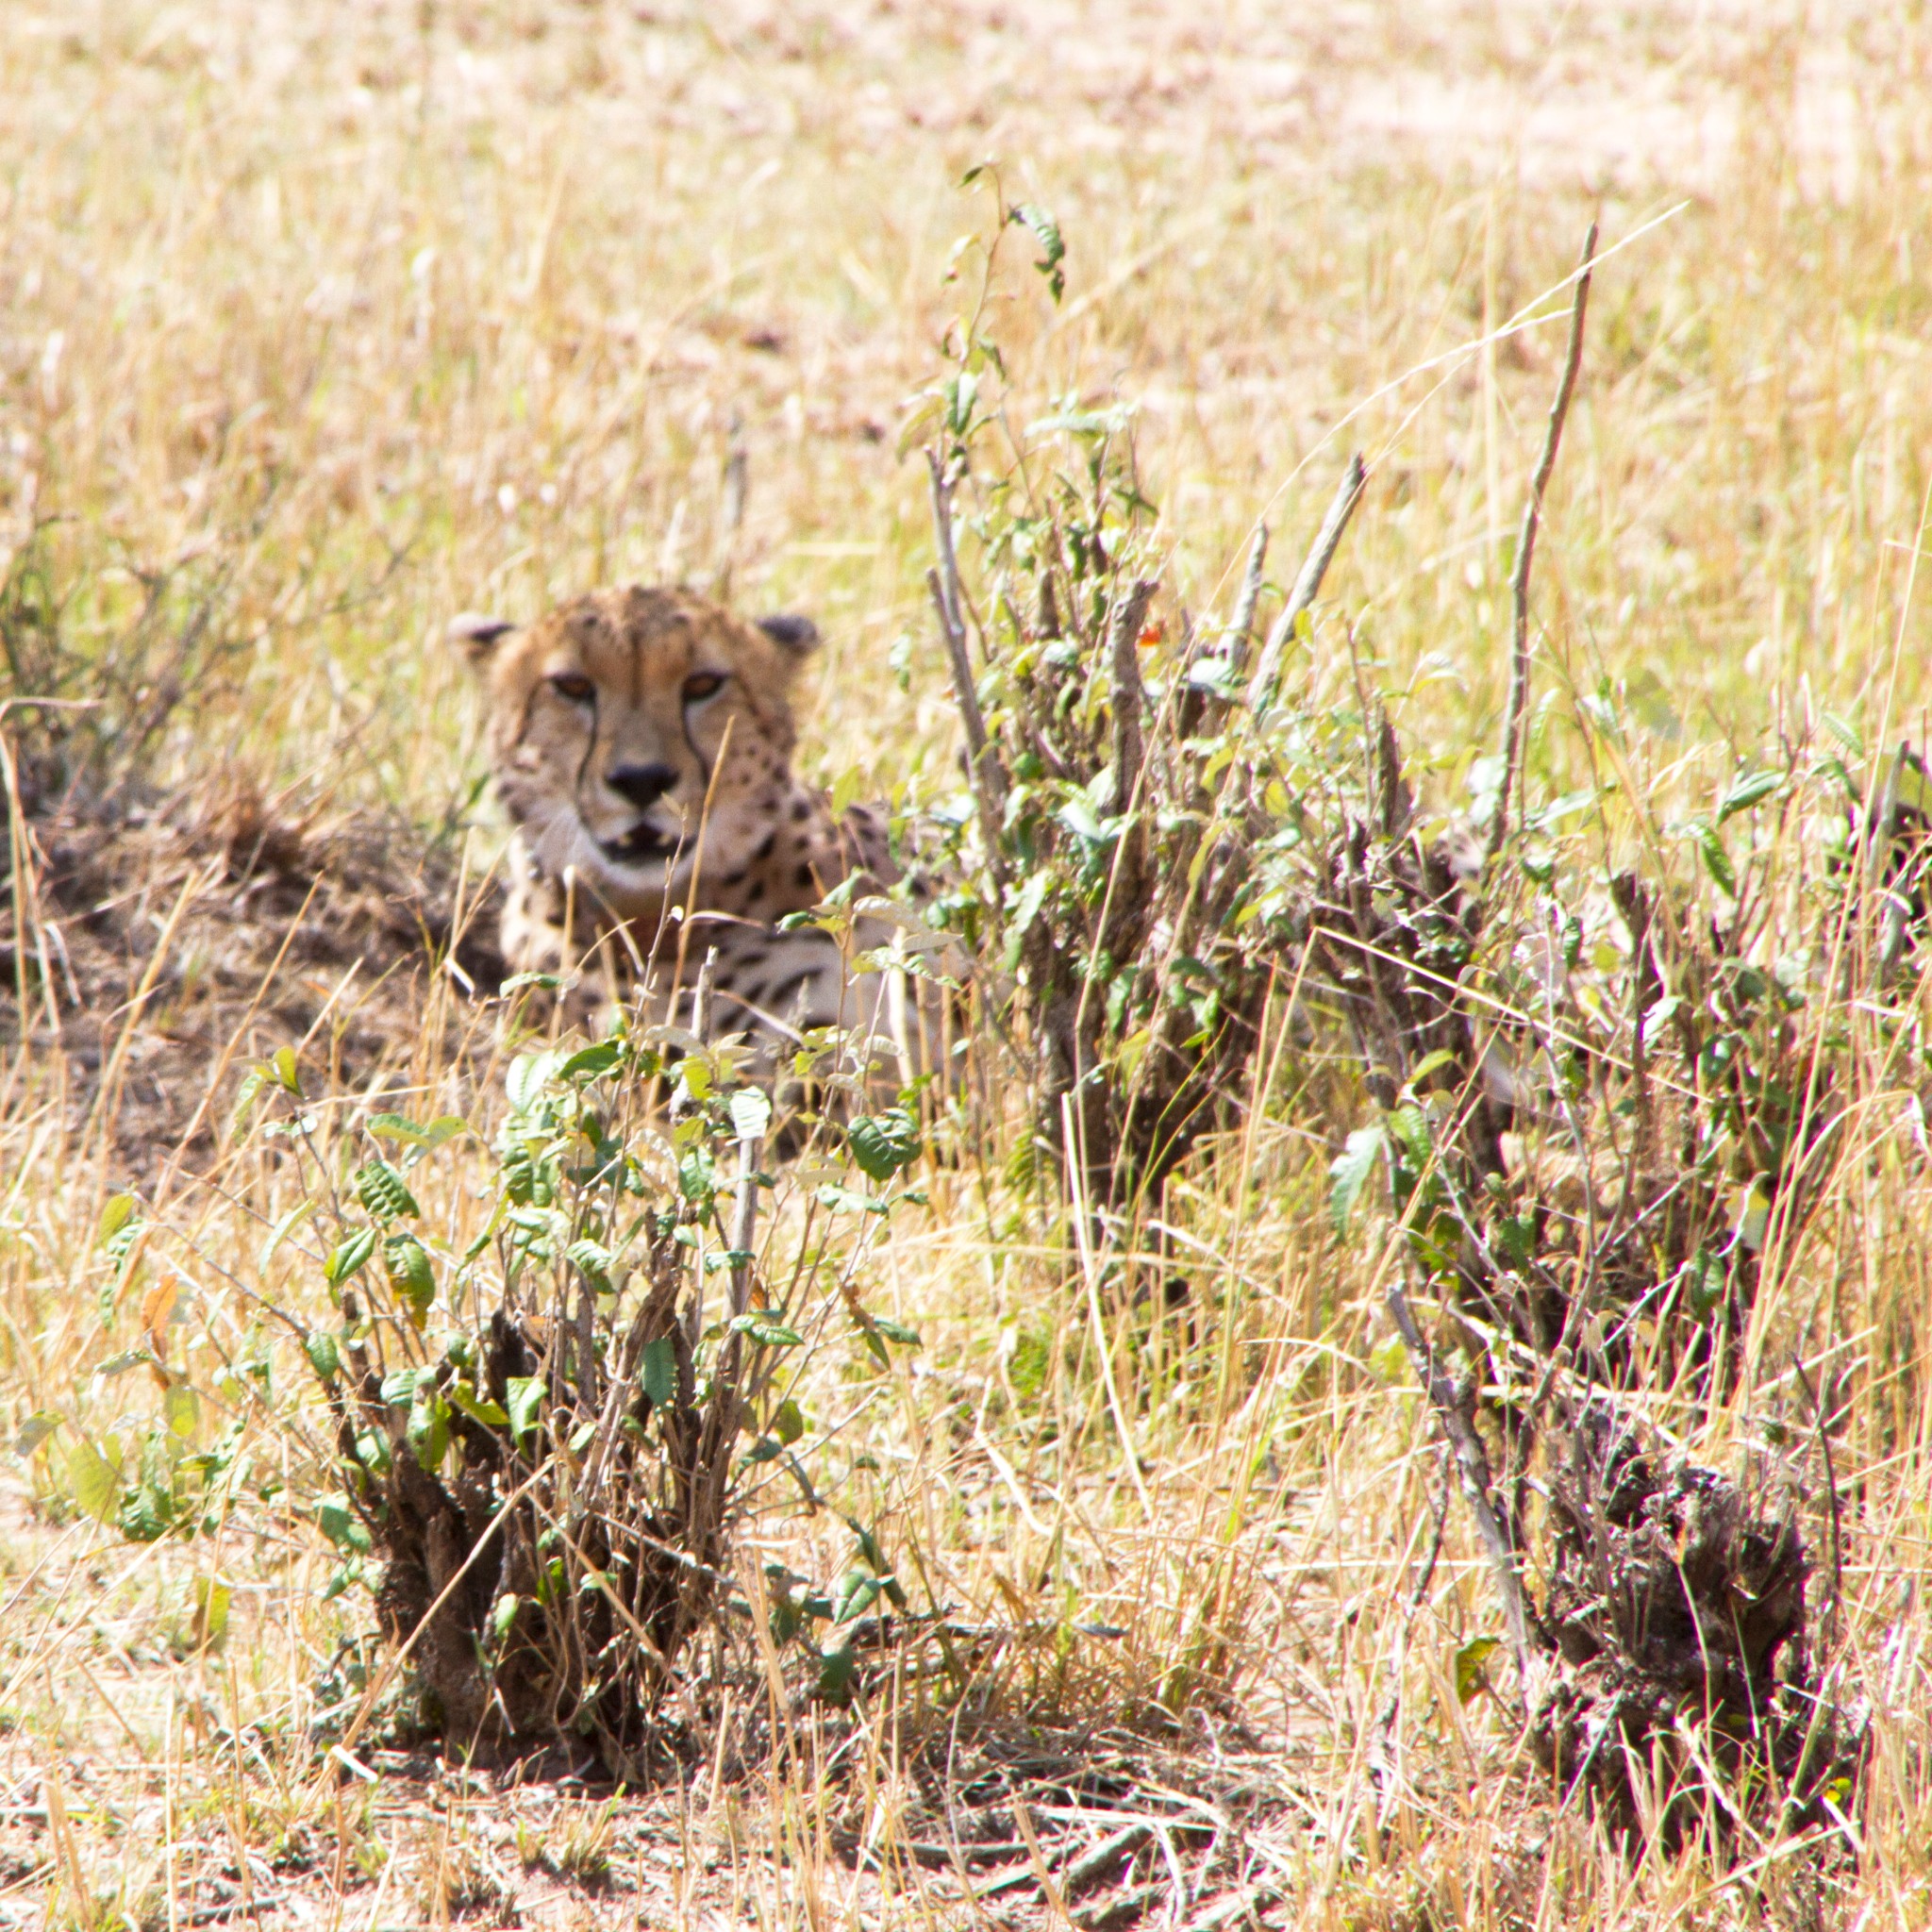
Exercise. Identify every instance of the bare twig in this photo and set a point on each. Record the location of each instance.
(1307, 585)
(1103, 1859)
(744, 1221)
(1242, 626)
(988, 792)
(1517, 711)
(1473, 1466)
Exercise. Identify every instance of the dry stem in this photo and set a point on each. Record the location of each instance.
(1307, 583)
(1517, 711)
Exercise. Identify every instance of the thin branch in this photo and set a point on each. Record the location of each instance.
(744, 1221)
(1242, 626)
(988, 791)
(1517, 711)
(1473, 1466)
(1307, 585)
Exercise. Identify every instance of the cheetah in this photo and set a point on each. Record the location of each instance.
(641, 743)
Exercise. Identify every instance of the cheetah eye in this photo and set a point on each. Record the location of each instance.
(575, 686)
(705, 684)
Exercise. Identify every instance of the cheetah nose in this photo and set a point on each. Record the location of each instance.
(643, 785)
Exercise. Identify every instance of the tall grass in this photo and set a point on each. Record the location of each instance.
(418, 309)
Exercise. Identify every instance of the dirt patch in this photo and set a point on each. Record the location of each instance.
(149, 945)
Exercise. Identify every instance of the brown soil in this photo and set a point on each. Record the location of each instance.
(169, 941)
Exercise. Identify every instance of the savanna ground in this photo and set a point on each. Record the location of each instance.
(320, 325)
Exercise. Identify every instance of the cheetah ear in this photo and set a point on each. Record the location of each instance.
(476, 637)
(797, 636)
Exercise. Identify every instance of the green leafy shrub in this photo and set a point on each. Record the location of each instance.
(544, 1439)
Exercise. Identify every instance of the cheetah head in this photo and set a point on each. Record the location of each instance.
(638, 735)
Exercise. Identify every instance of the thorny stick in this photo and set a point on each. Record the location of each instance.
(1516, 712)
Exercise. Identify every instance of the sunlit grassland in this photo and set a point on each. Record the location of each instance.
(391, 312)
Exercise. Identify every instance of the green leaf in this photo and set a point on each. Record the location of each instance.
(867, 1547)
(478, 1407)
(35, 1430)
(592, 1260)
(960, 390)
(844, 1201)
(751, 1113)
(1349, 1171)
(253, 1081)
(211, 1600)
(1846, 733)
(1046, 231)
(836, 1668)
(885, 1143)
(384, 1193)
(283, 1066)
(181, 1409)
(148, 1512)
(428, 1427)
(396, 1126)
(348, 1258)
(406, 1262)
(1080, 819)
(116, 1215)
(325, 1356)
(549, 982)
(853, 1594)
(788, 1422)
(529, 1073)
(1717, 862)
(1470, 1660)
(896, 1331)
(344, 1577)
(503, 1615)
(659, 1369)
(400, 1385)
(698, 1172)
(1025, 906)
(765, 1332)
(1749, 792)
(1429, 1063)
(592, 1062)
(522, 1398)
(91, 1478)
(341, 1526)
(1410, 1126)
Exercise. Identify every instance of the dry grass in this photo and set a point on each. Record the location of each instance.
(400, 309)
